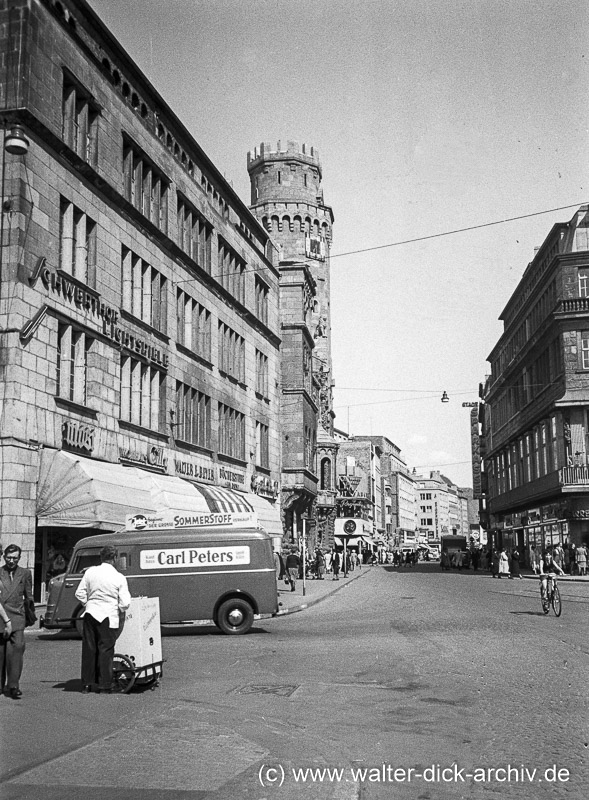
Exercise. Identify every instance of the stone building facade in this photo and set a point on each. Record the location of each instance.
(535, 421)
(139, 301)
(287, 198)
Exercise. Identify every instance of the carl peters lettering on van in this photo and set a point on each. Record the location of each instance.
(195, 557)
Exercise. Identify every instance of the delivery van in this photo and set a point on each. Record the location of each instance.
(221, 574)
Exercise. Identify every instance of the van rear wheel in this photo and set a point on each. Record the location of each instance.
(235, 616)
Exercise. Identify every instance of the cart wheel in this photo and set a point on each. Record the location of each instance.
(123, 673)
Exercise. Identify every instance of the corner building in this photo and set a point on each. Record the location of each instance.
(535, 421)
(139, 297)
(287, 198)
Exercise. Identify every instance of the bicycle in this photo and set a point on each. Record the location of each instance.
(552, 597)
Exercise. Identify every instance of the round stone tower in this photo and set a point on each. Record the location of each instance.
(287, 198)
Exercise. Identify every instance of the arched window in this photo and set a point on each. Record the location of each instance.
(326, 473)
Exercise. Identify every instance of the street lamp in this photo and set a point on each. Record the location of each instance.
(15, 141)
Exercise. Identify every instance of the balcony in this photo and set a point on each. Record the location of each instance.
(576, 305)
(574, 476)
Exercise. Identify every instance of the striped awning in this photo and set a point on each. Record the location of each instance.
(223, 500)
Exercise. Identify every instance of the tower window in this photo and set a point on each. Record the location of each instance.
(279, 176)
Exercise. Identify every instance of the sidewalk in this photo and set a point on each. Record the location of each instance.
(315, 591)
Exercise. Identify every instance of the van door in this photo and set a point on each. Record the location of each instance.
(68, 606)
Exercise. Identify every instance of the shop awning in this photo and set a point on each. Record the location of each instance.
(78, 492)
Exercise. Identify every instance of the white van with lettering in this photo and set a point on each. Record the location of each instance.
(203, 567)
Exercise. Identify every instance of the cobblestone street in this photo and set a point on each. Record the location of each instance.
(397, 670)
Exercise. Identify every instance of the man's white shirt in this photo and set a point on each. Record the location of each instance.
(104, 592)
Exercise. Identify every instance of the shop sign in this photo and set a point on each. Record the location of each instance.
(77, 436)
(155, 458)
(231, 479)
(264, 486)
(475, 441)
(134, 344)
(87, 300)
(170, 519)
(580, 513)
(72, 291)
(533, 515)
(194, 470)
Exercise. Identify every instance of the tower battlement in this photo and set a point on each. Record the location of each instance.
(265, 153)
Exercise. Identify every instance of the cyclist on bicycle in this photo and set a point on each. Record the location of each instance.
(548, 566)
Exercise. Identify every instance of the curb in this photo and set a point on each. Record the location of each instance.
(314, 601)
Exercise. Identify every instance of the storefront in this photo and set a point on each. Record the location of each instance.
(78, 497)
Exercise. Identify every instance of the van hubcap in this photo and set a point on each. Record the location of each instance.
(235, 617)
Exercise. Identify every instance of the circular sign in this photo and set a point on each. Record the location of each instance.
(349, 526)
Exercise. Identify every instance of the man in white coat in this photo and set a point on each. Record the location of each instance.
(105, 595)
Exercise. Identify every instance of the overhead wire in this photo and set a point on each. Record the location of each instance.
(422, 238)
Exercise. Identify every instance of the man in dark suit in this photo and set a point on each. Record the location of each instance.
(16, 584)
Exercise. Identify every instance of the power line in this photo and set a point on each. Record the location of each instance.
(457, 230)
(417, 239)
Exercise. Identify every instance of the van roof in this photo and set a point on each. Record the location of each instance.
(180, 535)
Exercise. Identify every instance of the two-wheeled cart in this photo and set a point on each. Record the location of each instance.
(138, 658)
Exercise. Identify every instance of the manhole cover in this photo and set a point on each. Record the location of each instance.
(281, 691)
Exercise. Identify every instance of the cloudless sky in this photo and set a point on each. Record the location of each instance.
(429, 116)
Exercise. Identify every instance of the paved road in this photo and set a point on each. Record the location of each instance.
(403, 669)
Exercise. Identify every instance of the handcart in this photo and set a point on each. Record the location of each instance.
(138, 659)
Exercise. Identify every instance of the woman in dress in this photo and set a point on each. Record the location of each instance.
(503, 563)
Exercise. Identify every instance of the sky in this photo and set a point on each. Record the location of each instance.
(430, 116)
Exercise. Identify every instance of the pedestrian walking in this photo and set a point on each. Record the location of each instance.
(104, 593)
(515, 568)
(16, 589)
(319, 564)
(581, 559)
(293, 564)
(495, 563)
(445, 560)
(573, 558)
(335, 564)
(535, 559)
(503, 563)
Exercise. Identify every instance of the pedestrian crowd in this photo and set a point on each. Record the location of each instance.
(319, 565)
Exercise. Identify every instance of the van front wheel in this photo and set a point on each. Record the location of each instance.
(235, 616)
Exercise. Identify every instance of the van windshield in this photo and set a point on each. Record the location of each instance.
(84, 559)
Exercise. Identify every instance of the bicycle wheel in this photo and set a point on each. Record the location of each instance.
(556, 603)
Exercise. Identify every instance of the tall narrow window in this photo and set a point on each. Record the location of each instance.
(231, 271)
(73, 347)
(262, 445)
(145, 291)
(231, 432)
(142, 394)
(194, 234)
(79, 121)
(261, 374)
(231, 353)
(193, 412)
(77, 243)
(585, 350)
(193, 325)
(144, 186)
(584, 283)
(261, 301)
